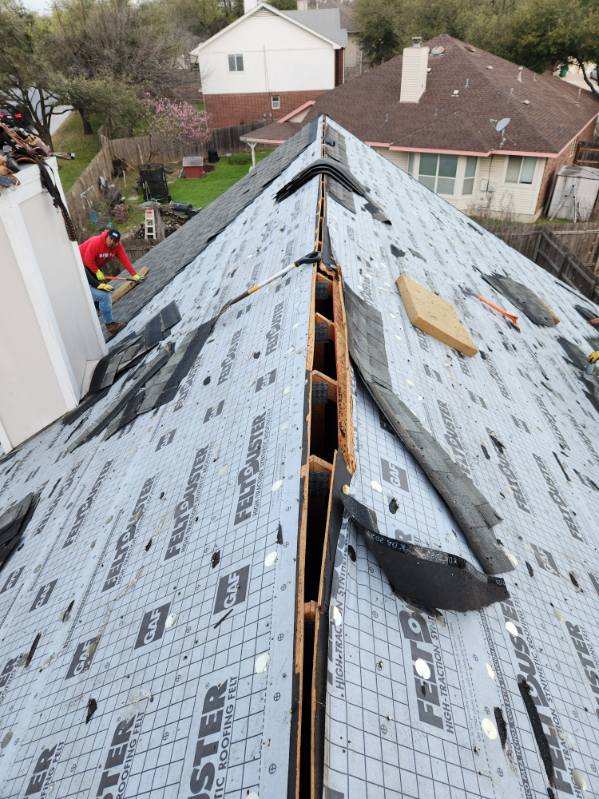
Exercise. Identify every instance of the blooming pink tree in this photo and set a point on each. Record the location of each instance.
(177, 121)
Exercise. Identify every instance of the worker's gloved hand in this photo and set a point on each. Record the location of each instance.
(593, 357)
(100, 275)
(105, 287)
(137, 277)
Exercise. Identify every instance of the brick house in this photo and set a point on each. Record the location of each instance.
(269, 62)
(486, 134)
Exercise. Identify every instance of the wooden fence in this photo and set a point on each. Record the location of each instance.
(547, 250)
(137, 150)
(587, 153)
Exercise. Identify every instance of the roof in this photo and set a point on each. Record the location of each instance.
(324, 24)
(546, 113)
(153, 612)
(326, 21)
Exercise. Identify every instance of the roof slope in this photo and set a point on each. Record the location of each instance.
(326, 21)
(490, 89)
(147, 621)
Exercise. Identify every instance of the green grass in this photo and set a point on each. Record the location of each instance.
(202, 191)
(69, 138)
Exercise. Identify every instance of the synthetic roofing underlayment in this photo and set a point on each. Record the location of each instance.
(201, 602)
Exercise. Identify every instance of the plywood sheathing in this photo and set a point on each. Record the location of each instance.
(434, 315)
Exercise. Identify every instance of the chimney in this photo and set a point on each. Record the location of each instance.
(50, 336)
(248, 5)
(414, 68)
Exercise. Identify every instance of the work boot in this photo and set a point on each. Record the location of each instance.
(115, 327)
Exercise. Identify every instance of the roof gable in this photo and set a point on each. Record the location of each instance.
(261, 7)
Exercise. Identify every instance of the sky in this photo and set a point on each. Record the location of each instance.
(38, 5)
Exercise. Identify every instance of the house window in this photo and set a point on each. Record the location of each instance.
(411, 159)
(469, 173)
(275, 102)
(438, 172)
(236, 63)
(520, 170)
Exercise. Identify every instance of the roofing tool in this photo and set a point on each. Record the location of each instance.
(511, 317)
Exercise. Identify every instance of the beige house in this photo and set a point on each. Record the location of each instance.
(486, 134)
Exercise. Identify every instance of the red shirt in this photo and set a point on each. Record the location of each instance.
(95, 252)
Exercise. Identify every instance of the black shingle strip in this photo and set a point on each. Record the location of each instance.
(12, 524)
(474, 514)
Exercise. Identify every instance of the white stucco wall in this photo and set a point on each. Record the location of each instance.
(50, 337)
(278, 57)
(491, 192)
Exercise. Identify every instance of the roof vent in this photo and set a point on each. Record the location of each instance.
(526, 102)
(413, 71)
(489, 66)
(456, 92)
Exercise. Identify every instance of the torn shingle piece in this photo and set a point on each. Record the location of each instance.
(127, 352)
(428, 577)
(166, 381)
(115, 409)
(523, 298)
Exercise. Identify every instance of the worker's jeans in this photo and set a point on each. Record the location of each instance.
(104, 300)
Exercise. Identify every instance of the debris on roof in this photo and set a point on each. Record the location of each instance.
(434, 315)
(222, 580)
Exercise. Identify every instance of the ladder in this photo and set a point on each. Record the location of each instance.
(149, 224)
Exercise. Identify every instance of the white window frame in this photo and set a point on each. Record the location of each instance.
(236, 62)
(275, 102)
(435, 179)
(468, 180)
(523, 159)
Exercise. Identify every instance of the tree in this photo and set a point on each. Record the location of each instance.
(377, 21)
(546, 34)
(176, 121)
(105, 53)
(24, 79)
(202, 18)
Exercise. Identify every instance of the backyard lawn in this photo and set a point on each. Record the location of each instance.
(201, 191)
(69, 138)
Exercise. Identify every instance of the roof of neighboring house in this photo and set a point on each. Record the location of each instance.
(169, 586)
(326, 21)
(323, 23)
(545, 112)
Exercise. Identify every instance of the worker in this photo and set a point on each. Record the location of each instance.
(95, 251)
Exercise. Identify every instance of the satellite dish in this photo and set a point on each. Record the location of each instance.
(439, 50)
(502, 124)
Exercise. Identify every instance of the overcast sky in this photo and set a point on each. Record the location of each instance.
(38, 5)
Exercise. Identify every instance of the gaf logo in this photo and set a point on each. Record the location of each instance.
(43, 595)
(152, 626)
(12, 580)
(232, 589)
(82, 659)
(394, 475)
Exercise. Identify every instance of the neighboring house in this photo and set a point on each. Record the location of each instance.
(353, 57)
(268, 62)
(486, 134)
